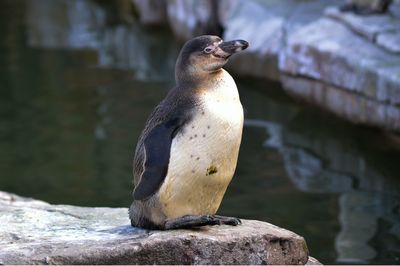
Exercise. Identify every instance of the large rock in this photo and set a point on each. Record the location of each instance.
(347, 55)
(328, 51)
(390, 41)
(346, 104)
(368, 26)
(354, 78)
(277, 19)
(35, 232)
(190, 18)
(186, 18)
(151, 12)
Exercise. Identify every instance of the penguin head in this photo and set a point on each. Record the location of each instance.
(205, 54)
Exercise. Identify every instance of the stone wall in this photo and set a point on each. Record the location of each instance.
(348, 64)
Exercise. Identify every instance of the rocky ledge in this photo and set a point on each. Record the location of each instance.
(36, 232)
(345, 63)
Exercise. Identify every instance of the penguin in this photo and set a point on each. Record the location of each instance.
(187, 152)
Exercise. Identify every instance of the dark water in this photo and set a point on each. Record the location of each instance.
(77, 83)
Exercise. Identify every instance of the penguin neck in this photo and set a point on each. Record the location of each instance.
(200, 79)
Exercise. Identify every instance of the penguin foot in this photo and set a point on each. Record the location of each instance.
(190, 221)
(228, 220)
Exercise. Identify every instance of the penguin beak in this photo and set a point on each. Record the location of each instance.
(226, 49)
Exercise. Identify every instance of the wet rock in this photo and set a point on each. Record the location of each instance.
(35, 232)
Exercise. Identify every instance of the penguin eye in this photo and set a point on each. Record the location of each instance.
(208, 50)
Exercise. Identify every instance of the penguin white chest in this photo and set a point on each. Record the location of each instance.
(203, 157)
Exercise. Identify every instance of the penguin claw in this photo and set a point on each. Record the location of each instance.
(228, 220)
(190, 221)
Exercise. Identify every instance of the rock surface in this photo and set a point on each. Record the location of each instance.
(189, 18)
(360, 81)
(151, 12)
(372, 27)
(353, 59)
(35, 232)
(266, 25)
(358, 109)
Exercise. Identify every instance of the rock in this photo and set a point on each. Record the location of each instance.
(151, 12)
(327, 51)
(244, 19)
(35, 232)
(189, 18)
(262, 55)
(130, 47)
(366, 7)
(346, 104)
(394, 9)
(64, 24)
(186, 18)
(390, 41)
(367, 26)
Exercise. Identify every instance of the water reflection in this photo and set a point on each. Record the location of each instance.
(77, 85)
(363, 193)
(82, 24)
(317, 161)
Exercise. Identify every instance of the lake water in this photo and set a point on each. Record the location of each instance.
(77, 85)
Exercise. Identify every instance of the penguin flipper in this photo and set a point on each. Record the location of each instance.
(157, 147)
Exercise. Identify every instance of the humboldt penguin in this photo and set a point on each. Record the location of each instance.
(186, 155)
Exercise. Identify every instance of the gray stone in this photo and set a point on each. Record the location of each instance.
(129, 47)
(381, 29)
(295, 39)
(367, 26)
(35, 232)
(189, 18)
(151, 12)
(346, 104)
(64, 24)
(390, 41)
(260, 59)
(368, 6)
(277, 19)
(394, 9)
(326, 50)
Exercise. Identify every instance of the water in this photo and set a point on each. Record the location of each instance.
(77, 84)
